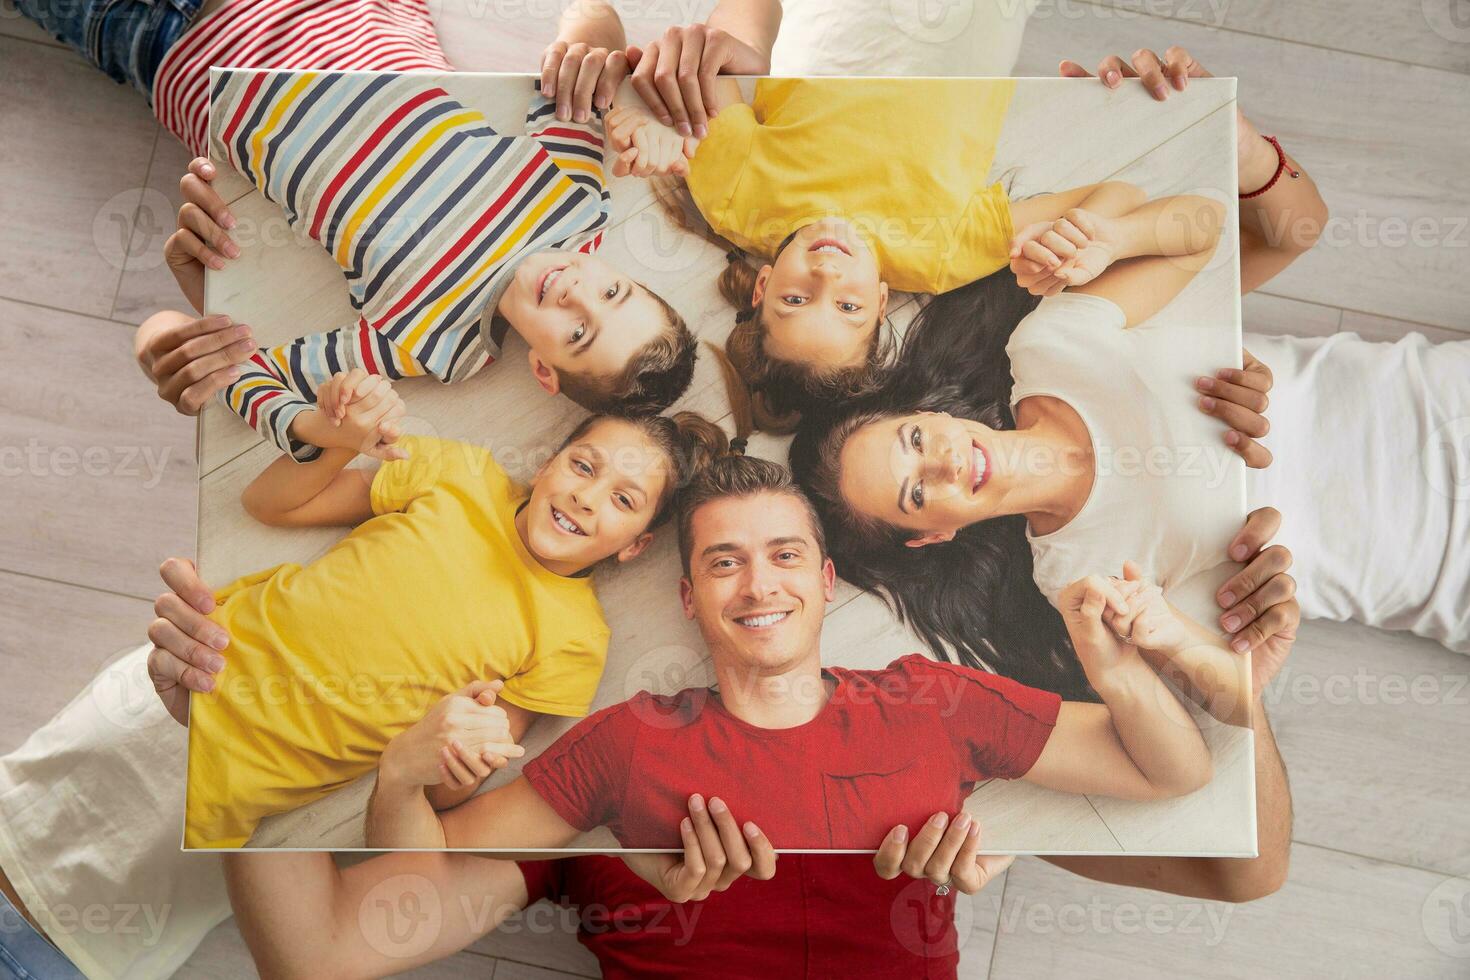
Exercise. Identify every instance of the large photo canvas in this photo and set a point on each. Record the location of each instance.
(503, 576)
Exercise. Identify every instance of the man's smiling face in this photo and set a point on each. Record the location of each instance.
(758, 584)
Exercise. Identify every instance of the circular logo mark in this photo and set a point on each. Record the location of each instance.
(1446, 917)
(667, 670)
(401, 916)
(123, 693)
(932, 21)
(1446, 459)
(1450, 19)
(659, 246)
(130, 227)
(920, 918)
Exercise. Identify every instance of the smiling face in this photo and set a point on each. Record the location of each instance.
(579, 315)
(596, 498)
(931, 473)
(758, 584)
(822, 299)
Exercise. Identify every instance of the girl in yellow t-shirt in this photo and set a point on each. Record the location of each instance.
(454, 577)
(842, 189)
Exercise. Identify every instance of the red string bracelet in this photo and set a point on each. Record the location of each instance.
(1280, 166)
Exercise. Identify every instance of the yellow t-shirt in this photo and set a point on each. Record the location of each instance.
(906, 161)
(328, 662)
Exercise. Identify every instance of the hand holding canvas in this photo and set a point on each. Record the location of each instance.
(944, 851)
(716, 852)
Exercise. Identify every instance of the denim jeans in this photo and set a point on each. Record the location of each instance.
(125, 38)
(25, 954)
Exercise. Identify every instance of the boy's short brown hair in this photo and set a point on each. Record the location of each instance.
(653, 379)
(739, 476)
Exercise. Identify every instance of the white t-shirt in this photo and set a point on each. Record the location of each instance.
(899, 37)
(1167, 492)
(1372, 478)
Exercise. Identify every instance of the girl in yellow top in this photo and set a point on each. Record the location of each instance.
(453, 577)
(843, 189)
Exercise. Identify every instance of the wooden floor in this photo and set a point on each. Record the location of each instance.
(1374, 98)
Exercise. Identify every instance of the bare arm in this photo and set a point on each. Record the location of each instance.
(1276, 227)
(321, 493)
(1140, 743)
(509, 816)
(1169, 241)
(300, 913)
(1219, 879)
(1111, 199)
(1281, 225)
(592, 22)
(1214, 676)
(755, 23)
(444, 797)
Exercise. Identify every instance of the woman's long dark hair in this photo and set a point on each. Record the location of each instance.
(971, 600)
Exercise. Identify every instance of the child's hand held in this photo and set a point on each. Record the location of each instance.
(370, 409)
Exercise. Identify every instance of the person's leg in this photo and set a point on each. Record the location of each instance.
(127, 39)
(91, 821)
(7, 891)
(25, 954)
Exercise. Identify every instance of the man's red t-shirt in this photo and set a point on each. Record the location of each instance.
(890, 746)
(822, 915)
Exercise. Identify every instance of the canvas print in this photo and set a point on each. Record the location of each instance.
(837, 469)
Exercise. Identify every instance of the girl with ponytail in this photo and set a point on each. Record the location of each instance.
(828, 194)
(468, 579)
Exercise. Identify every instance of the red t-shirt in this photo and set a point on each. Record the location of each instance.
(822, 915)
(890, 746)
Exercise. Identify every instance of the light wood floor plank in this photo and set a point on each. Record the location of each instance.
(99, 474)
(1276, 315)
(1340, 915)
(147, 286)
(513, 970)
(1371, 327)
(544, 934)
(54, 638)
(69, 189)
(1375, 730)
(1432, 34)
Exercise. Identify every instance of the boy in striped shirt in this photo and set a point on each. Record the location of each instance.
(449, 233)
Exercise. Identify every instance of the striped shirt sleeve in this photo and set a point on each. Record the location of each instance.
(280, 383)
(576, 148)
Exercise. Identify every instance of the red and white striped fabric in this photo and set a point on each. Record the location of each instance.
(346, 35)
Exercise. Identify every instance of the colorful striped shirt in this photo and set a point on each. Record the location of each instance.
(340, 35)
(425, 207)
